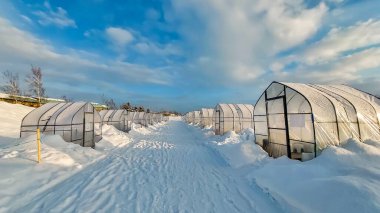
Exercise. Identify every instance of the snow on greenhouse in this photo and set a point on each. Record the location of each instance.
(76, 122)
(206, 117)
(232, 117)
(300, 120)
(116, 118)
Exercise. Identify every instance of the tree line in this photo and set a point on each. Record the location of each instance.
(35, 88)
(33, 81)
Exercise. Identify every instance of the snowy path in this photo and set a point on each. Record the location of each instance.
(168, 169)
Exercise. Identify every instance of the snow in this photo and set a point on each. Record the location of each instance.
(237, 149)
(21, 177)
(341, 179)
(175, 167)
(11, 116)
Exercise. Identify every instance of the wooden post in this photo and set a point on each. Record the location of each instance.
(38, 145)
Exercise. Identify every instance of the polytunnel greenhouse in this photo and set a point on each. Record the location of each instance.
(232, 117)
(148, 119)
(116, 118)
(206, 117)
(196, 117)
(300, 120)
(130, 118)
(139, 118)
(225, 117)
(76, 122)
(245, 120)
(190, 117)
(157, 117)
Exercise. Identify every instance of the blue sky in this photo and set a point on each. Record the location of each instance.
(183, 55)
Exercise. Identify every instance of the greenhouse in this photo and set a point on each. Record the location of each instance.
(225, 118)
(245, 112)
(300, 120)
(157, 117)
(190, 117)
(196, 117)
(76, 122)
(130, 118)
(148, 119)
(116, 118)
(206, 117)
(139, 118)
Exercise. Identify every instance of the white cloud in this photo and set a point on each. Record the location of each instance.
(340, 40)
(241, 38)
(57, 18)
(343, 55)
(119, 37)
(148, 47)
(87, 71)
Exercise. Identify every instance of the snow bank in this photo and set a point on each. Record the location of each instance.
(22, 178)
(341, 179)
(11, 116)
(237, 149)
(112, 138)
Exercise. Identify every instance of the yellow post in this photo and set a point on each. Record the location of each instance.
(38, 145)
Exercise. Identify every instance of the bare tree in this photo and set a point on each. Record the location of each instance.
(35, 83)
(11, 85)
(109, 102)
(66, 99)
(126, 106)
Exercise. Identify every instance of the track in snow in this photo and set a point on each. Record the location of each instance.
(166, 170)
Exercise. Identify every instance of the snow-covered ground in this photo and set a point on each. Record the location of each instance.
(341, 179)
(175, 167)
(21, 178)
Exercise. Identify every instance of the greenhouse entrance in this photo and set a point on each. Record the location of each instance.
(217, 123)
(278, 131)
(88, 136)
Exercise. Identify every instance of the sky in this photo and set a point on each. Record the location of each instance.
(185, 54)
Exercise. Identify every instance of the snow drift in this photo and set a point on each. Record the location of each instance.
(341, 179)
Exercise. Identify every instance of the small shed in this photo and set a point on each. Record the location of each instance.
(76, 122)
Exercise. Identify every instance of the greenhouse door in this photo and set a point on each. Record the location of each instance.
(88, 139)
(217, 122)
(278, 131)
